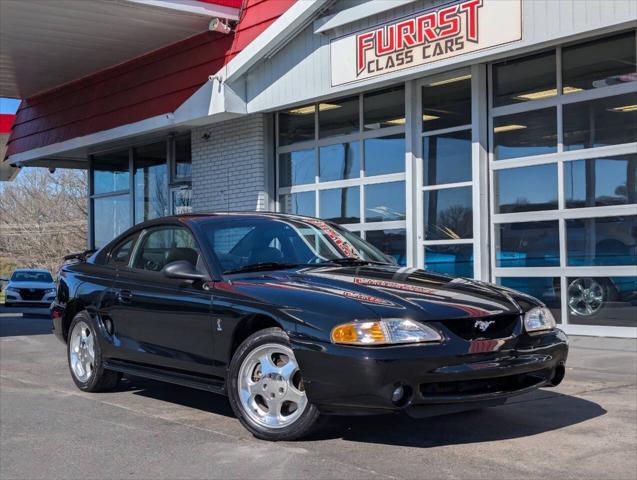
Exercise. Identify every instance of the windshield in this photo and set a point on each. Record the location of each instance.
(44, 277)
(239, 243)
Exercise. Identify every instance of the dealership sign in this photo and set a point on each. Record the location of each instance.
(425, 37)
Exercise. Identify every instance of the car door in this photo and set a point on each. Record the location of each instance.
(159, 321)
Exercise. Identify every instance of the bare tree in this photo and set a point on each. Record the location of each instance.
(43, 217)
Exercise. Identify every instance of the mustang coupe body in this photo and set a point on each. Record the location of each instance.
(294, 317)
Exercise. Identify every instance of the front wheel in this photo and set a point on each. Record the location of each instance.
(266, 390)
(85, 357)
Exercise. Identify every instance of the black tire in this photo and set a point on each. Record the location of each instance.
(301, 427)
(101, 380)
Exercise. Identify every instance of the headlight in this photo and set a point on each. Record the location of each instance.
(538, 319)
(11, 289)
(384, 332)
(50, 290)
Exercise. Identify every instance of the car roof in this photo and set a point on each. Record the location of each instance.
(196, 217)
(36, 270)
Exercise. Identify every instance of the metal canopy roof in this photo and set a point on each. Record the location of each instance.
(46, 44)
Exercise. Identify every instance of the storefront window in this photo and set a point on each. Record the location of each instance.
(302, 203)
(545, 289)
(447, 158)
(384, 109)
(454, 260)
(391, 242)
(296, 125)
(338, 118)
(600, 122)
(525, 134)
(340, 205)
(524, 79)
(385, 202)
(384, 155)
(448, 214)
(183, 159)
(600, 63)
(339, 162)
(446, 103)
(528, 244)
(151, 182)
(328, 176)
(111, 216)
(602, 241)
(600, 182)
(297, 168)
(526, 189)
(111, 172)
(603, 300)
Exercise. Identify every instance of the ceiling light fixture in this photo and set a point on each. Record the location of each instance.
(450, 80)
(427, 118)
(546, 93)
(396, 121)
(508, 128)
(623, 108)
(312, 108)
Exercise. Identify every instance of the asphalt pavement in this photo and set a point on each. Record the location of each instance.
(584, 429)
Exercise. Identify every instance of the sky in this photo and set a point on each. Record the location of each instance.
(8, 105)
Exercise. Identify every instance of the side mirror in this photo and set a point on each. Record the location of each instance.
(182, 270)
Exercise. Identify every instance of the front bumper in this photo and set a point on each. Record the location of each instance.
(15, 299)
(440, 378)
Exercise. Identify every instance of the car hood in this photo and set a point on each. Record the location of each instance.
(38, 285)
(398, 292)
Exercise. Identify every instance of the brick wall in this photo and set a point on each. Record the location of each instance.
(231, 168)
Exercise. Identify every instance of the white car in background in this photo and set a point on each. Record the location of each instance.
(30, 287)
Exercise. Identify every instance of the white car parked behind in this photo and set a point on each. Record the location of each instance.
(30, 287)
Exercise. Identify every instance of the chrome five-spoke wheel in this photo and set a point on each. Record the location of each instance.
(585, 296)
(270, 386)
(82, 352)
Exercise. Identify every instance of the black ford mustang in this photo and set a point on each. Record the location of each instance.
(294, 317)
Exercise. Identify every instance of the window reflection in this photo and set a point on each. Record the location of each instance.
(448, 214)
(296, 125)
(341, 205)
(602, 301)
(297, 168)
(598, 182)
(384, 155)
(596, 123)
(384, 109)
(385, 202)
(112, 216)
(447, 158)
(546, 289)
(390, 242)
(525, 134)
(339, 162)
(454, 260)
(302, 203)
(524, 79)
(528, 244)
(526, 189)
(446, 103)
(602, 241)
(338, 118)
(600, 63)
(111, 172)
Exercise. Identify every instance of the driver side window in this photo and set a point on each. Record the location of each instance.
(165, 245)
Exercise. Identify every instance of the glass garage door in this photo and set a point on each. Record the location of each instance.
(563, 175)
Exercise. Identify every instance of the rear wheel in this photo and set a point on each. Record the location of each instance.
(266, 388)
(586, 296)
(85, 357)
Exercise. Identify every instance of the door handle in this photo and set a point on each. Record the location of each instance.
(125, 296)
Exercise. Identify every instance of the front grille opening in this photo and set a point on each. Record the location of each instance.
(488, 328)
(27, 295)
(482, 386)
